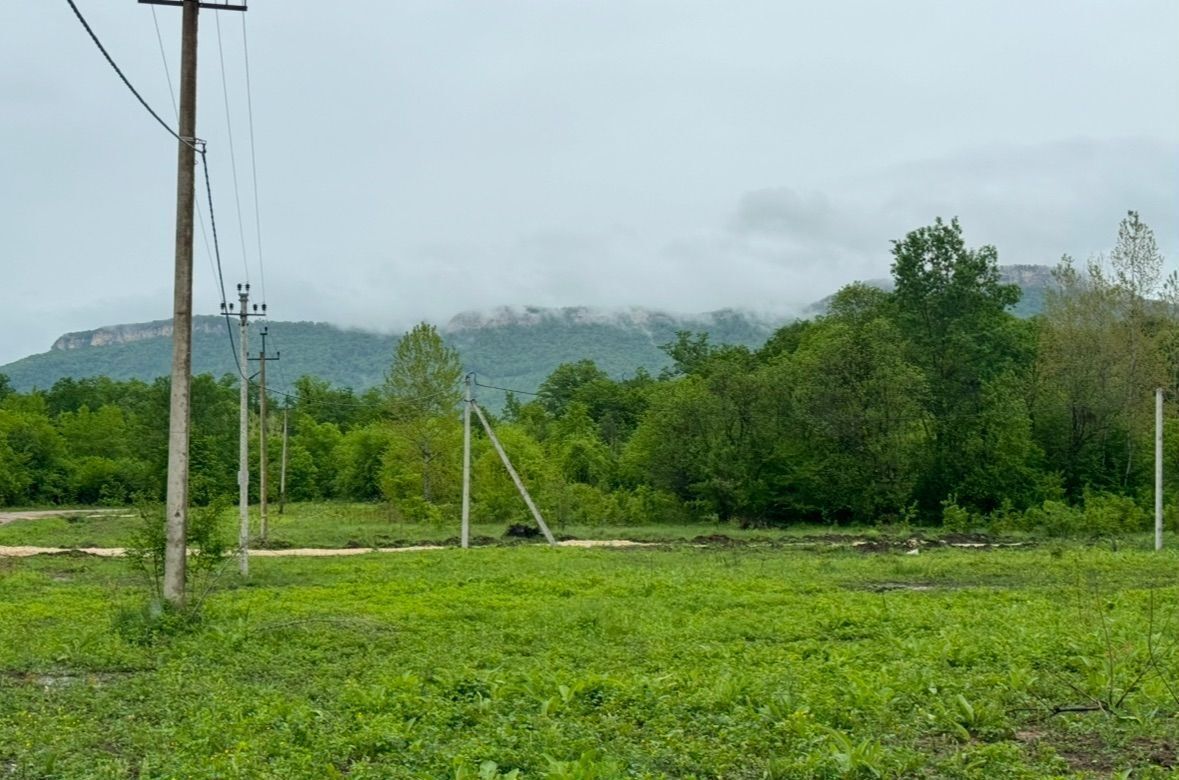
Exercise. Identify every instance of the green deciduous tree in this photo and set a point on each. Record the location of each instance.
(563, 384)
(858, 408)
(423, 393)
(952, 309)
(1105, 343)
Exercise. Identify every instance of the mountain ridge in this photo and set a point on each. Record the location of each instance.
(516, 346)
(511, 345)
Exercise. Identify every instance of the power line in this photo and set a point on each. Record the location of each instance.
(232, 155)
(253, 157)
(176, 110)
(164, 57)
(281, 373)
(187, 141)
(196, 144)
(505, 389)
(359, 403)
(220, 277)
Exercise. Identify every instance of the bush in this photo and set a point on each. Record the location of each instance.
(98, 480)
(151, 622)
(1108, 514)
(208, 551)
(645, 505)
(954, 517)
(1103, 514)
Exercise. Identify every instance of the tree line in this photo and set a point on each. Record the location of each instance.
(929, 403)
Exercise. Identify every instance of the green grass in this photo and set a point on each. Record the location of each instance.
(680, 662)
(375, 525)
(91, 530)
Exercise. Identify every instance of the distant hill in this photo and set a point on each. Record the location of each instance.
(1033, 280)
(514, 347)
(521, 346)
(511, 346)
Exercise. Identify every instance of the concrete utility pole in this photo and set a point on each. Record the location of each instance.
(512, 473)
(243, 474)
(179, 409)
(282, 474)
(466, 533)
(262, 451)
(1158, 468)
(180, 400)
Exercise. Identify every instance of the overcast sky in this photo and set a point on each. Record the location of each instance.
(416, 159)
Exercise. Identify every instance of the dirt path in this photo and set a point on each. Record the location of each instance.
(300, 552)
(40, 514)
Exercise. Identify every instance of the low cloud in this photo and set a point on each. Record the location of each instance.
(780, 248)
(776, 250)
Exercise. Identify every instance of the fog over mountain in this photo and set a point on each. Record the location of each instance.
(518, 347)
(514, 345)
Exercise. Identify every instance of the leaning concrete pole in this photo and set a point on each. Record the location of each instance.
(515, 477)
(179, 410)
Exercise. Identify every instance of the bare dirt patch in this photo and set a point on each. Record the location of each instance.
(1090, 753)
(303, 552)
(888, 587)
(41, 514)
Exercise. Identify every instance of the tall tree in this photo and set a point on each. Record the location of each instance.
(952, 308)
(559, 389)
(859, 410)
(1104, 344)
(423, 393)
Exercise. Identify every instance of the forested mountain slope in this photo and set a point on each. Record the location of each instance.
(514, 346)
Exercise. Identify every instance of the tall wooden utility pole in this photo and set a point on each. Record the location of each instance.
(243, 473)
(180, 401)
(262, 451)
(466, 532)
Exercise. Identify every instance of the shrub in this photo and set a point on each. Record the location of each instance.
(1103, 514)
(208, 551)
(1106, 514)
(954, 517)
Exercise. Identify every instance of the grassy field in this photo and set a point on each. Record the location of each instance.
(334, 525)
(673, 662)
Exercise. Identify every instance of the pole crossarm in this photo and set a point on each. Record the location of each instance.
(208, 5)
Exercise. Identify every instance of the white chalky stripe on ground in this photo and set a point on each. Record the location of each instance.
(296, 552)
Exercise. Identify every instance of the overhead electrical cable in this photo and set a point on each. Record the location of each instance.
(220, 278)
(282, 375)
(253, 157)
(196, 144)
(416, 401)
(232, 155)
(504, 389)
(176, 110)
(187, 141)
